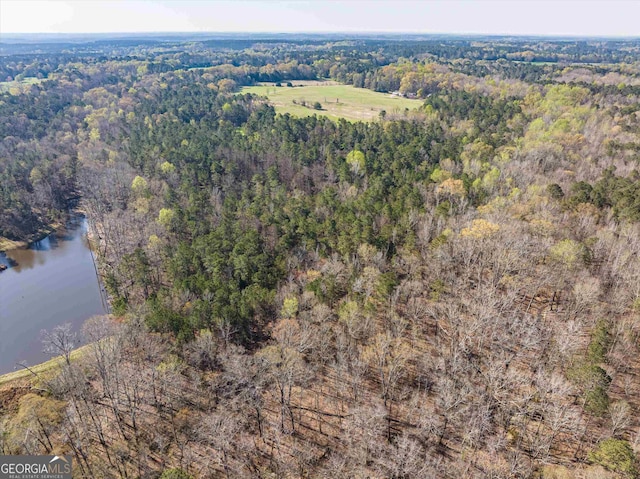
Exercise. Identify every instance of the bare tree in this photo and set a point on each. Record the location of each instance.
(620, 417)
(60, 341)
(221, 430)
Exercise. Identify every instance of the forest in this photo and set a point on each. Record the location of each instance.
(447, 292)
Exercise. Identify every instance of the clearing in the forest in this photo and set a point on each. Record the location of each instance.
(335, 100)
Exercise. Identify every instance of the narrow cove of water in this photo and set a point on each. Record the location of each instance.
(51, 282)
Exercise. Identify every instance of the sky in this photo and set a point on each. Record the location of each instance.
(512, 17)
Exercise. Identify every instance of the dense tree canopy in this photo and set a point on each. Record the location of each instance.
(448, 292)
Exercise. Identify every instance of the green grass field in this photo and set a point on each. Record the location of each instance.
(46, 368)
(6, 85)
(338, 101)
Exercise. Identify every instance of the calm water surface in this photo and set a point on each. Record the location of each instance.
(50, 283)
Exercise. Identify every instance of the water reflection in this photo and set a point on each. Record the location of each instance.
(51, 282)
(8, 262)
(56, 243)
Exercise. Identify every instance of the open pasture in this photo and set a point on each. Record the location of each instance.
(337, 100)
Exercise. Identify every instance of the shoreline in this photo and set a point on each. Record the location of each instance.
(7, 244)
(94, 241)
(47, 366)
(27, 374)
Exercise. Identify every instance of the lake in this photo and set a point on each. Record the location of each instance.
(51, 282)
